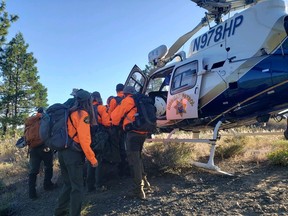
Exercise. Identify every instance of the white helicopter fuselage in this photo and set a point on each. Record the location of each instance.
(240, 40)
(236, 72)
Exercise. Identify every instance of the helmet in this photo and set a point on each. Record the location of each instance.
(74, 90)
(160, 105)
(82, 95)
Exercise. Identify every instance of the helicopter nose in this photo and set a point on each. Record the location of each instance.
(286, 24)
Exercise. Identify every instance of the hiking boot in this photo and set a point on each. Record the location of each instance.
(101, 188)
(32, 186)
(137, 193)
(91, 189)
(50, 187)
(141, 194)
(33, 194)
(147, 184)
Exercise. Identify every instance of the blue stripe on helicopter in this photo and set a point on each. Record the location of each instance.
(269, 72)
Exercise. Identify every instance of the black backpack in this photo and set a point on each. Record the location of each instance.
(99, 134)
(145, 118)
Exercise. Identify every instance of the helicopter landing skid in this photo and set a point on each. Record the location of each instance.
(210, 164)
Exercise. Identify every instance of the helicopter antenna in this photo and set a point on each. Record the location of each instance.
(206, 15)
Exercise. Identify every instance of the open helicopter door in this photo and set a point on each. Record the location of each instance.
(137, 79)
(184, 91)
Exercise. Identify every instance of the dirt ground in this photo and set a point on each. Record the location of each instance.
(254, 189)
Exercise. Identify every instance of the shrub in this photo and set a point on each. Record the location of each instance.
(168, 156)
(279, 157)
(231, 147)
(14, 161)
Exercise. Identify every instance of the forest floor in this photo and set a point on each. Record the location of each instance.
(254, 189)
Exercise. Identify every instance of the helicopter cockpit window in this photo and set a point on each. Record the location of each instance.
(185, 77)
(158, 84)
(160, 81)
(138, 81)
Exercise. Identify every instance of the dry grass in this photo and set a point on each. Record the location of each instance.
(13, 169)
(14, 161)
(158, 157)
(252, 148)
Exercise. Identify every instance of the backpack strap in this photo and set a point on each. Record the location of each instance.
(125, 115)
(95, 107)
(73, 126)
(118, 99)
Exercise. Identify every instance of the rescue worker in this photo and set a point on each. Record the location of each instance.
(117, 133)
(95, 175)
(134, 140)
(36, 155)
(72, 161)
(115, 101)
(108, 102)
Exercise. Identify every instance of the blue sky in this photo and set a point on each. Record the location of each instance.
(93, 44)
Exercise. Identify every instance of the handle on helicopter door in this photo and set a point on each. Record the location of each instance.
(195, 91)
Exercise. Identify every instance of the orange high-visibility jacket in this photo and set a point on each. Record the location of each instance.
(113, 103)
(103, 117)
(126, 108)
(81, 125)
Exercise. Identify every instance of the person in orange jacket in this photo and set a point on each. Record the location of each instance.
(71, 161)
(103, 116)
(95, 175)
(134, 140)
(108, 102)
(115, 101)
(117, 134)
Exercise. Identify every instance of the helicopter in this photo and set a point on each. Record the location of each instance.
(235, 74)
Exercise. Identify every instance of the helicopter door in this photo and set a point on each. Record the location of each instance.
(137, 79)
(184, 92)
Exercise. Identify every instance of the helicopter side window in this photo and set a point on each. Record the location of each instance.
(185, 77)
(137, 81)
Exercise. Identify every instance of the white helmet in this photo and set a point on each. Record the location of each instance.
(160, 105)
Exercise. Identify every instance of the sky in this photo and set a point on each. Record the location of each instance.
(93, 44)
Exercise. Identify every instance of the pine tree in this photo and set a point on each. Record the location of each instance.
(5, 22)
(21, 90)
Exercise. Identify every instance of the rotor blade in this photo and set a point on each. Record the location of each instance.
(213, 5)
(184, 38)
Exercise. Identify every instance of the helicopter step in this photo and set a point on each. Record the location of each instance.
(210, 164)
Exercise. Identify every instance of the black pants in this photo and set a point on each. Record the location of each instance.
(134, 145)
(95, 176)
(37, 155)
(70, 199)
(118, 137)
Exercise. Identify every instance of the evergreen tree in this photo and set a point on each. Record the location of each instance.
(21, 91)
(5, 22)
(148, 69)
